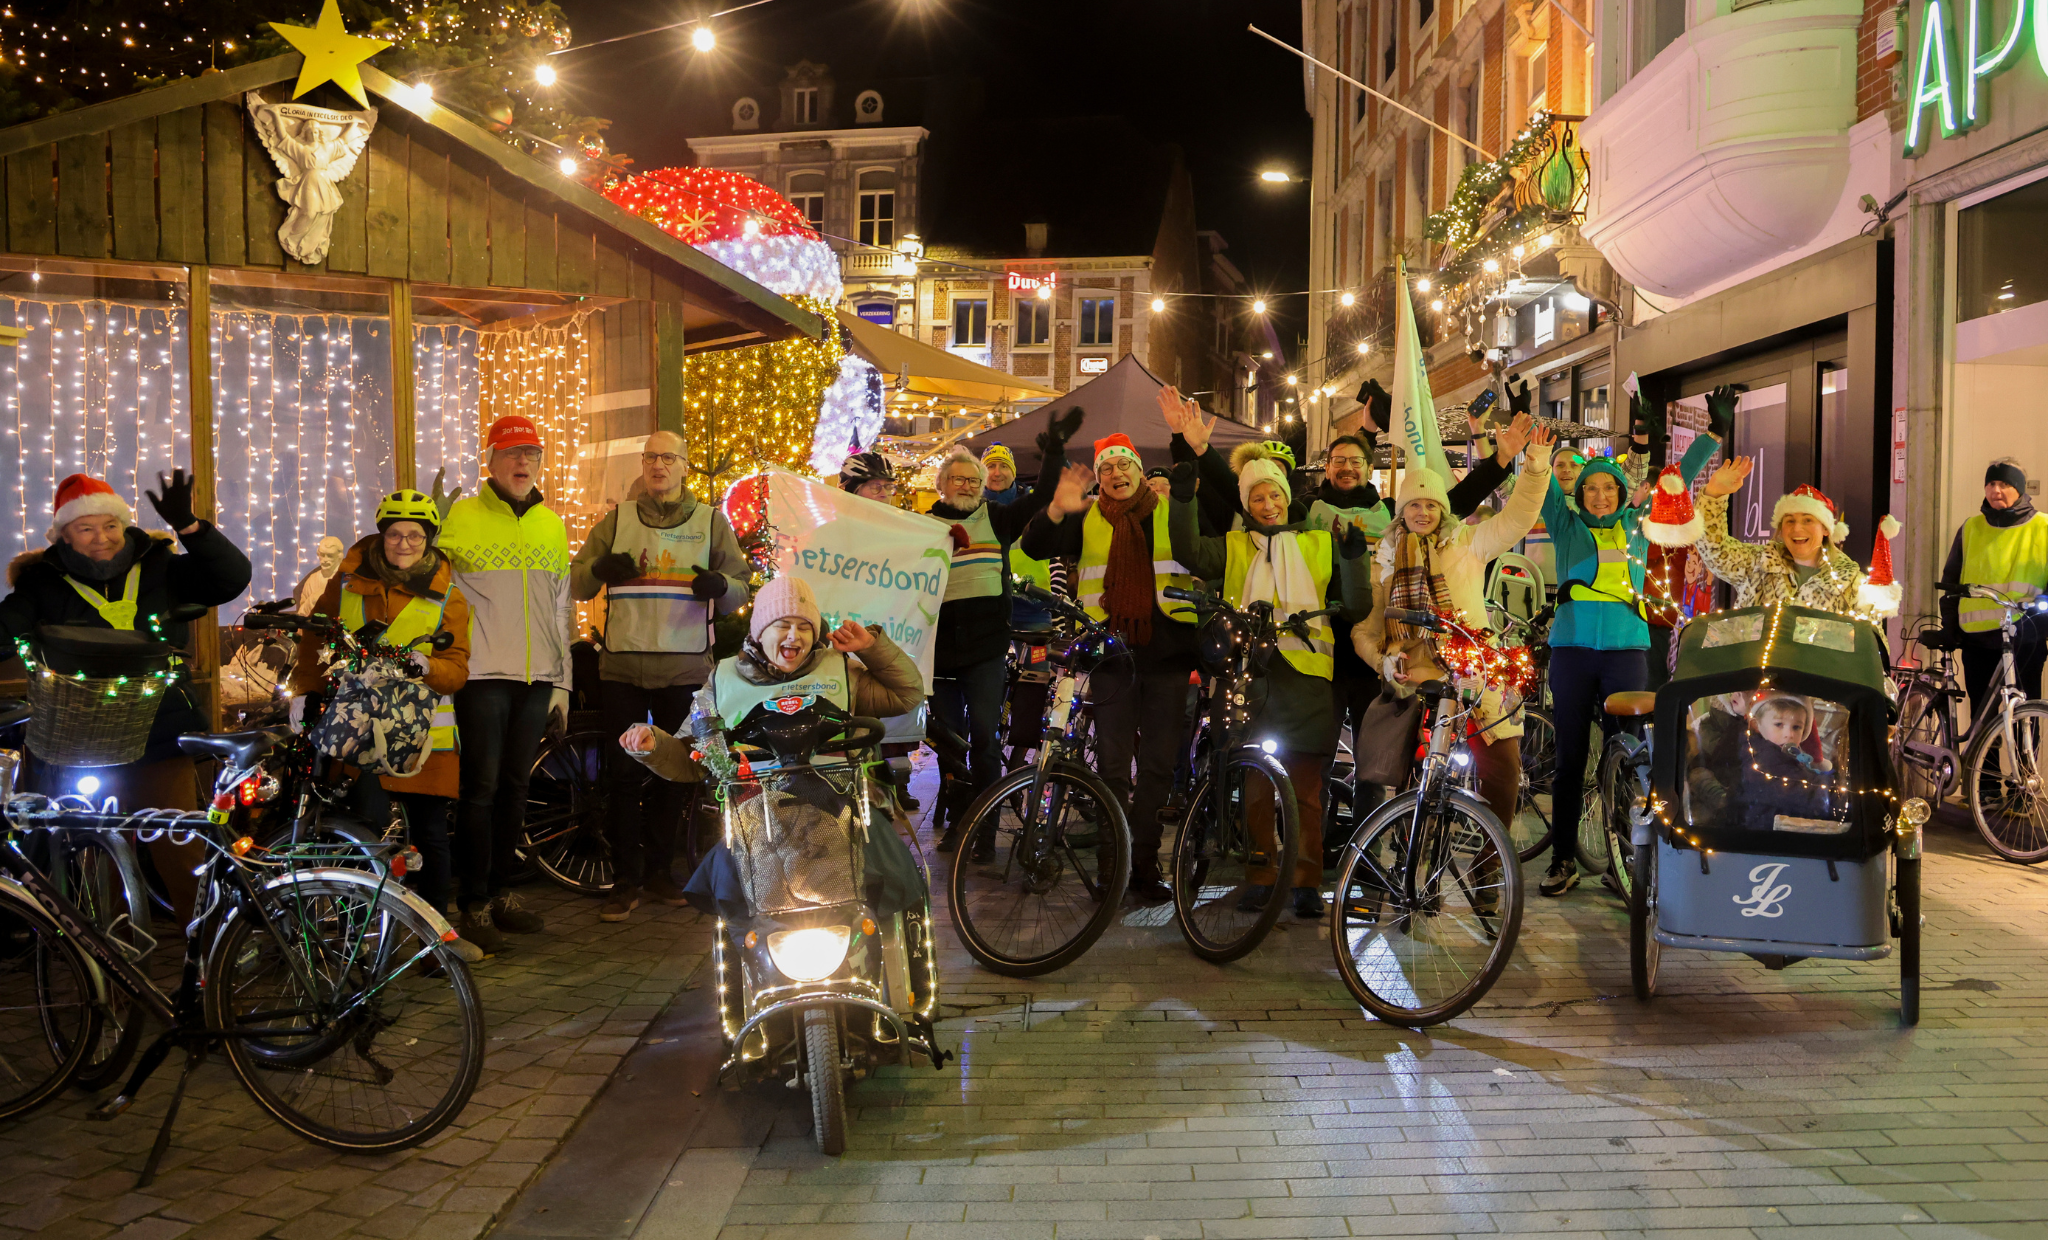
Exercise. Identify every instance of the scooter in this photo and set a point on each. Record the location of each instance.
(818, 982)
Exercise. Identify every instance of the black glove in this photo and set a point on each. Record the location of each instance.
(1521, 394)
(708, 584)
(174, 502)
(615, 568)
(1379, 404)
(1645, 417)
(1721, 411)
(1351, 541)
(1181, 482)
(1052, 441)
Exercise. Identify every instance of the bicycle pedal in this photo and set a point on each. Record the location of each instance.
(111, 1107)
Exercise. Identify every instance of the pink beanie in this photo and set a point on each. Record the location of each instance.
(782, 598)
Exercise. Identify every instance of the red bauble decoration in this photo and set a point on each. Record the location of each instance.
(697, 205)
(745, 504)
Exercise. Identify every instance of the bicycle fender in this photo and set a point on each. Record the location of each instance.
(386, 887)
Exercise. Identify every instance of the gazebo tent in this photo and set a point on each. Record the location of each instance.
(1124, 398)
(464, 280)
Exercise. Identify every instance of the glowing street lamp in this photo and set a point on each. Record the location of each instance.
(544, 74)
(702, 39)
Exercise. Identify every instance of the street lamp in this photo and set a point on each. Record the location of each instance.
(1259, 307)
(1158, 305)
(544, 74)
(702, 39)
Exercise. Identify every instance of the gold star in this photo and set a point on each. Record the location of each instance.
(332, 54)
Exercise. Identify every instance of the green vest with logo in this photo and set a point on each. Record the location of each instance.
(418, 618)
(655, 611)
(1167, 572)
(2013, 561)
(1318, 655)
(734, 697)
(977, 570)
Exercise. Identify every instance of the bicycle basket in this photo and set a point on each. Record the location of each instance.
(797, 838)
(380, 721)
(95, 694)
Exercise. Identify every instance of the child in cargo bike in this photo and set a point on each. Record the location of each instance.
(1777, 765)
(781, 658)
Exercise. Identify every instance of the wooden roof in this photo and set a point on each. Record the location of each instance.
(178, 175)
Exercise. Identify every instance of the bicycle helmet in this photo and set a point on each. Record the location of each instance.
(1275, 447)
(408, 505)
(864, 467)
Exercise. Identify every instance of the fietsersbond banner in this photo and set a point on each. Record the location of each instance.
(867, 561)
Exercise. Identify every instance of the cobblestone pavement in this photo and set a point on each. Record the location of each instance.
(1142, 1093)
(563, 1009)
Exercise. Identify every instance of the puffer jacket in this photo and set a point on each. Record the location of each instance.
(1763, 574)
(447, 670)
(1605, 624)
(883, 680)
(514, 570)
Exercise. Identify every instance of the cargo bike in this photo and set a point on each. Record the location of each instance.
(1773, 827)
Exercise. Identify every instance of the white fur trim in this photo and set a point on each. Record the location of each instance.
(1889, 527)
(1671, 484)
(1884, 600)
(102, 504)
(1790, 503)
(1675, 535)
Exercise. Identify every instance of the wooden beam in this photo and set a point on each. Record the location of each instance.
(177, 96)
(199, 408)
(671, 367)
(404, 417)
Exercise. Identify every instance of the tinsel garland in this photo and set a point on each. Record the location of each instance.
(1457, 225)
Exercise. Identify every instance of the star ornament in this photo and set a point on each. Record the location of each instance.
(332, 54)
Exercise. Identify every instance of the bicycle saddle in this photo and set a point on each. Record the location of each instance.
(1634, 702)
(1934, 639)
(237, 749)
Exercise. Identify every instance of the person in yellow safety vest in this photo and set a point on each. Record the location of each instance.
(1002, 487)
(1294, 704)
(1126, 560)
(2004, 547)
(101, 570)
(396, 578)
(668, 564)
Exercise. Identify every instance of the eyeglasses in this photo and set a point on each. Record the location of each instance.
(670, 459)
(405, 540)
(524, 454)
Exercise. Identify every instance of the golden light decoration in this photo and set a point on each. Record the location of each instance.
(543, 373)
(746, 408)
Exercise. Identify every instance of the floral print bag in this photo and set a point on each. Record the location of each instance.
(380, 720)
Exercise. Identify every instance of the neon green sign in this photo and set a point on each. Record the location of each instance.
(1948, 73)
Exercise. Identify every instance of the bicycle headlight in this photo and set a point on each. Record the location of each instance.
(1270, 745)
(809, 955)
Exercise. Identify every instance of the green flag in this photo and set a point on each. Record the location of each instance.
(1414, 411)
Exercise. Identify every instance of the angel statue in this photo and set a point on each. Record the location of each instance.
(314, 148)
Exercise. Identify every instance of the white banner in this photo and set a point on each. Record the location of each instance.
(1414, 412)
(865, 560)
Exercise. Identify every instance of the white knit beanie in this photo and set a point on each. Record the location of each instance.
(1265, 469)
(1420, 483)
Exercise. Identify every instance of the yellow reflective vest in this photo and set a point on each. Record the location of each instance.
(2013, 561)
(1316, 656)
(416, 619)
(1167, 572)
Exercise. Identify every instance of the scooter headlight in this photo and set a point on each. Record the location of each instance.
(809, 955)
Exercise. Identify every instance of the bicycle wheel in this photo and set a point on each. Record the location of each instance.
(1595, 857)
(1622, 771)
(356, 1027)
(1033, 890)
(566, 808)
(1644, 951)
(1426, 914)
(2007, 786)
(99, 876)
(1920, 759)
(1534, 808)
(827, 1082)
(49, 1019)
(1220, 859)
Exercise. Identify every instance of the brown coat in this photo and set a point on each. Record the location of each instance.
(447, 670)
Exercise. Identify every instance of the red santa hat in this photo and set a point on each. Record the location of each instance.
(1879, 592)
(1809, 500)
(1672, 521)
(83, 496)
(1117, 445)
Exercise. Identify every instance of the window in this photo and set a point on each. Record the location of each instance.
(1999, 264)
(878, 207)
(1656, 24)
(1098, 320)
(807, 194)
(1418, 181)
(1538, 78)
(1034, 321)
(1388, 62)
(970, 322)
(1386, 223)
(807, 105)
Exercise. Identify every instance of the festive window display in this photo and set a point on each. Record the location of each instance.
(445, 358)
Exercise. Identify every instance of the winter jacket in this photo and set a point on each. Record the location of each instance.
(212, 571)
(651, 670)
(1604, 624)
(514, 570)
(1763, 574)
(447, 670)
(973, 631)
(1172, 648)
(883, 681)
(1952, 572)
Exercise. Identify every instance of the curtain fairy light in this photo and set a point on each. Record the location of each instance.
(542, 373)
(445, 398)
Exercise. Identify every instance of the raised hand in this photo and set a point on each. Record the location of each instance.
(1072, 494)
(1511, 439)
(851, 637)
(444, 500)
(1542, 437)
(1721, 404)
(173, 501)
(1171, 409)
(1728, 479)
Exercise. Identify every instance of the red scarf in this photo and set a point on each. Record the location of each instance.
(1127, 579)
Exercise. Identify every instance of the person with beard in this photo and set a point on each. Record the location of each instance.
(667, 565)
(2004, 547)
(970, 665)
(102, 571)
(510, 553)
(1126, 559)
(396, 579)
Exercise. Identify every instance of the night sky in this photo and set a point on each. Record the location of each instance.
(1183, 71)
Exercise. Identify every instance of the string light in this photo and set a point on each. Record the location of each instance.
(543, 373)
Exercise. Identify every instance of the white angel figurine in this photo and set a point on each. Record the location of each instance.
(315, 148)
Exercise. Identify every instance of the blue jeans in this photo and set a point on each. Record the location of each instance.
(1580, 680)
(501, 722)
(970, 701)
